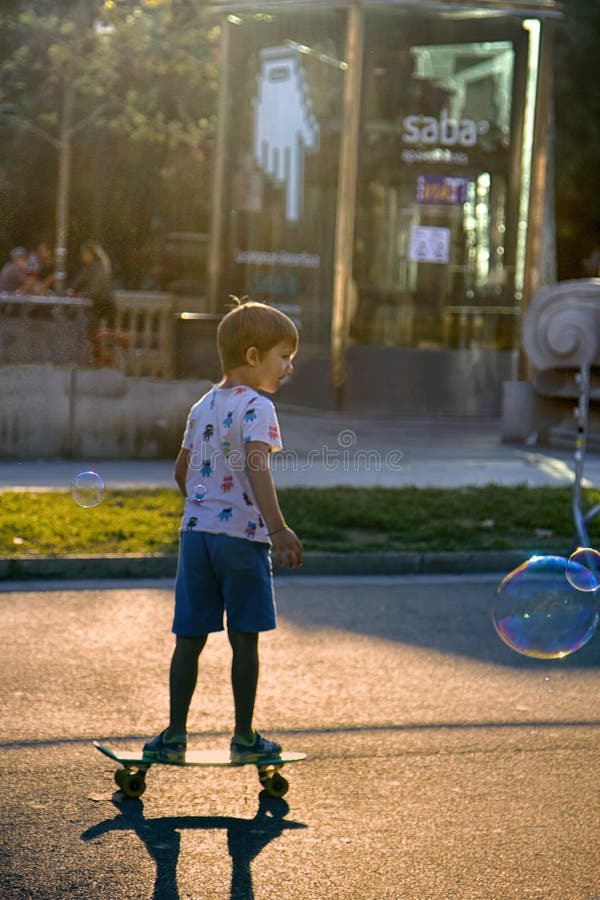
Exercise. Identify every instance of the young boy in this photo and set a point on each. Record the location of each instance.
(231, 519)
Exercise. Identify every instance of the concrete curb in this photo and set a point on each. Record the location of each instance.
(140, 565)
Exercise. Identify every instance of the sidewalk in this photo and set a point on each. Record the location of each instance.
(327, 449)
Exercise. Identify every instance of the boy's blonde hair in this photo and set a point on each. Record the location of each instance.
(252, 324)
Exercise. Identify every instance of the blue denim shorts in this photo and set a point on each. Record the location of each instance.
(219, 574)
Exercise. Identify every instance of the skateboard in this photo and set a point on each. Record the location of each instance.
(131, 777)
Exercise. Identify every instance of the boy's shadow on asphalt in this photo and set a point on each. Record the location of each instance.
(161, 837)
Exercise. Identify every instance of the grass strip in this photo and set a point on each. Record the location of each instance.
(494, 517)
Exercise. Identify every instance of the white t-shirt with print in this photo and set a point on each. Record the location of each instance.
(219, 495)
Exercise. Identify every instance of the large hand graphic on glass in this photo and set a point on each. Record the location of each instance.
(284, 124)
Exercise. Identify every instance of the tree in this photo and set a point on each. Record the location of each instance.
(131, 88)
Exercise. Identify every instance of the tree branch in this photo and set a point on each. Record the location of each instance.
(35, 129)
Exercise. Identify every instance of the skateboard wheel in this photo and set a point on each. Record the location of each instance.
(265, 773)
(276, 786)
(119, 776)
(132, 784)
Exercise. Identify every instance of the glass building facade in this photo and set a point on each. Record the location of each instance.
(377, 180)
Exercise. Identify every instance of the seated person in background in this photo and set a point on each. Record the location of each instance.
(14, 277)
(40, 267)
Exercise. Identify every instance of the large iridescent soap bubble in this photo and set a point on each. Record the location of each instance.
(537, 611)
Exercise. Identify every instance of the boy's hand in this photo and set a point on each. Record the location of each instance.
(288, 548)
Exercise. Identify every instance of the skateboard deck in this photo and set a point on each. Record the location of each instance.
(131, 777)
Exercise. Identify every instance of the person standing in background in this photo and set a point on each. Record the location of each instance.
(94, 281)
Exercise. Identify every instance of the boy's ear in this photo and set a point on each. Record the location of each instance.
(252, 356)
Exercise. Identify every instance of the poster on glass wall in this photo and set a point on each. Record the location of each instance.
(429, 244)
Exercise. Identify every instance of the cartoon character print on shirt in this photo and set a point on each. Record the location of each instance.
(224, 432)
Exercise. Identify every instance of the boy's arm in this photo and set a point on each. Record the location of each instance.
(286, 544)
(181, 469)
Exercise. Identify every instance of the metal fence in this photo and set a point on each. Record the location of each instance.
(155, 334)
(43, 329)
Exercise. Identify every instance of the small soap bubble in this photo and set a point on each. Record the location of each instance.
(87, 489)
(583, 570)
(198, 493)
(537, 612)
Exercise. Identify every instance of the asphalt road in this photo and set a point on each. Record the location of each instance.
(441, 765)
